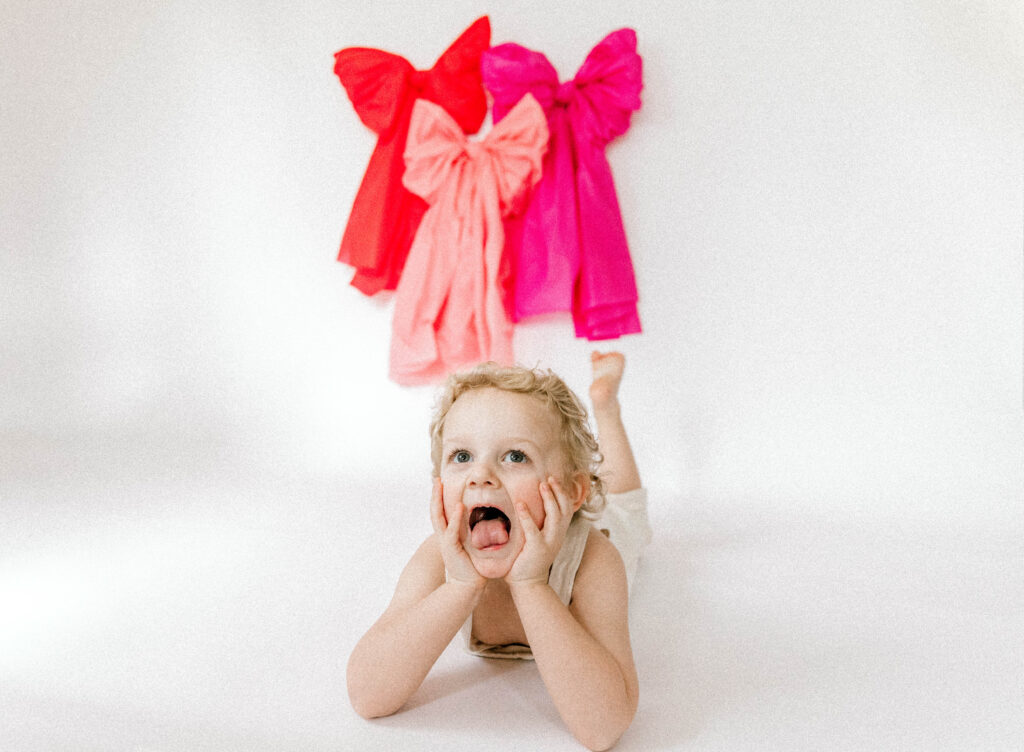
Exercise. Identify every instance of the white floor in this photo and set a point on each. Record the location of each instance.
(213, 609)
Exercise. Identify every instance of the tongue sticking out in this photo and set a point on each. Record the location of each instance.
(490, 528)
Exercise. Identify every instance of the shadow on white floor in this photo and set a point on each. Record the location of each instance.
(215, 611)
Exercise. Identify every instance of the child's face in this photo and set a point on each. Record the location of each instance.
(497, 447)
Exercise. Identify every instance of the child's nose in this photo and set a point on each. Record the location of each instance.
(483, 474)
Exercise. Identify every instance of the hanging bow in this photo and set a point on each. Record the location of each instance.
(449, 311)
(383, 87)
(569, 250)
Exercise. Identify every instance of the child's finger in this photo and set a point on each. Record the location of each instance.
(557, 520)
(455, 525)
(551, 506)
(564, 501)
(437, 518)
(529, 526)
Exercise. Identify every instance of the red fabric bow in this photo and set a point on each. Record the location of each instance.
(383, 87)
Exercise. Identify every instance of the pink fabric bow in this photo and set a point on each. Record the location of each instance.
(569, 249)
(449, 309)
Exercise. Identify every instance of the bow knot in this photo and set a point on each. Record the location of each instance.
(565, 93)
(419, 79)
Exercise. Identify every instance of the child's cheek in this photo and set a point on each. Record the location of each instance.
(529, 492)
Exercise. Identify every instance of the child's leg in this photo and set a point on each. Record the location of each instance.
(618, 470)
(624, 519)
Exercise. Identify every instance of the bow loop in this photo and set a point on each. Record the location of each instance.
(455, 78)
(432, 149)
(511, 71)
(374, 80)
(517, 145)
(608, 85)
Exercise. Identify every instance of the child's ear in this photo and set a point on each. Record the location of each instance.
(580, 489)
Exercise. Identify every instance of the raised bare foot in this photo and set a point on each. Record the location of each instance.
(607, 369)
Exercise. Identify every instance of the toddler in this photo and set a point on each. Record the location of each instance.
(537, 534)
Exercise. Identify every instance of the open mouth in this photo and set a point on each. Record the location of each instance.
(488, 527)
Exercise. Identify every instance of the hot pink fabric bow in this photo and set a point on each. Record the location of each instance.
(569, 249)
(449, 309)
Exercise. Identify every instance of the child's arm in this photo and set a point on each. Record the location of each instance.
(583, 652)
(391, 660)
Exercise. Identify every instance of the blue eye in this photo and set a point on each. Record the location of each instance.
(460, 455)
(516, 456)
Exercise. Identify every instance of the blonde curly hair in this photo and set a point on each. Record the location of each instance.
(579, 447)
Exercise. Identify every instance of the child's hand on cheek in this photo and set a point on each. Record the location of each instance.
(541, 545)
(456, 561)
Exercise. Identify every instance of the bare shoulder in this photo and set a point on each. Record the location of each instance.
(601, 562)
(423, 574)
(601, 578)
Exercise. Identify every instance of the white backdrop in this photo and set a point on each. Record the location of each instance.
(824, 203)
(824, 207)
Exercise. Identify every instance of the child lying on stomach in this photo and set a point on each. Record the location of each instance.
(537, 532)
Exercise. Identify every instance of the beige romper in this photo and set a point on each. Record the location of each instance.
(624, 521)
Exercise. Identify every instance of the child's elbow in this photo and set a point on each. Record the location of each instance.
(368, 697)
(607, 734)
(370, 707)
(599, 742)
(605, 737)
(369, 712)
